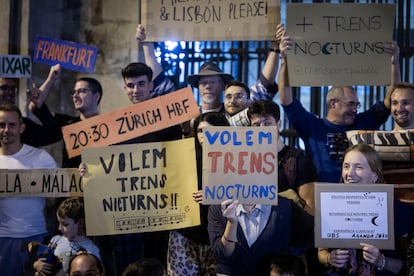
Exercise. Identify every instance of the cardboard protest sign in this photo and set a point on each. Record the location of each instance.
(130, 122)
(140, 187)
(212, 20)
(70, 55)
(40, 183)
(240, 164)
(347, 214)
(15, 66)
(339, 44)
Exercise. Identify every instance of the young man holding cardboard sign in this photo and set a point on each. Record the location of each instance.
(242, 234)
(127, 248)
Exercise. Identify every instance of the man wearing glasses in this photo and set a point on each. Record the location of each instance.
(34, 134)
(86, 96)
(236, 100)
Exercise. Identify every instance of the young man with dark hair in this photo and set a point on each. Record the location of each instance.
(296, 171)
(127, 248)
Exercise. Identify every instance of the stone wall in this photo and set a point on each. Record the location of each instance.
(109, 25)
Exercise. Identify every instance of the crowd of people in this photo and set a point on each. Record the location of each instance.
(233, 238)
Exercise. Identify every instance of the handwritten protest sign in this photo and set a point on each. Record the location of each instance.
(347, 214)
(240, 163)
(130, 122)
(339, 44)
(140, 187)
(15, 66)
(40, 183)
(70, 55)
(212, 20)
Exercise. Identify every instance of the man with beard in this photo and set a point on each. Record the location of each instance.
(402, 106)
(402, 111)
(236, 101)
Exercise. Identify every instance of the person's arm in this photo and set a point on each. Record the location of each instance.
(149, 51)
(266, 87)
(49, 131)
(285, 91)
(162, 84)
(38, 135)
(229, 237)
(392, 48)
(221, 231)
(272, 61)
(38, 96)
(307, 193)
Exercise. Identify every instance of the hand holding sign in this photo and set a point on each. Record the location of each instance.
(130, 122)
(371, 254)
(140, 34)
(198, 196)
(392, 48)
(338, 257)
(228, 208)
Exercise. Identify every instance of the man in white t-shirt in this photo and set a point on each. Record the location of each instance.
(21, 219)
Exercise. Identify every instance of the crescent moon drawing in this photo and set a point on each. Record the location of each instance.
(325, 49)
(373, 220)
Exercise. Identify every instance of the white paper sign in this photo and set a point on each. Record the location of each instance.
(348, 214)
(354, 215)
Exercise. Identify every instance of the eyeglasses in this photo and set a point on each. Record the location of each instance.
(80, 91)
(237, 97)
(7, 88)
(352, 104)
